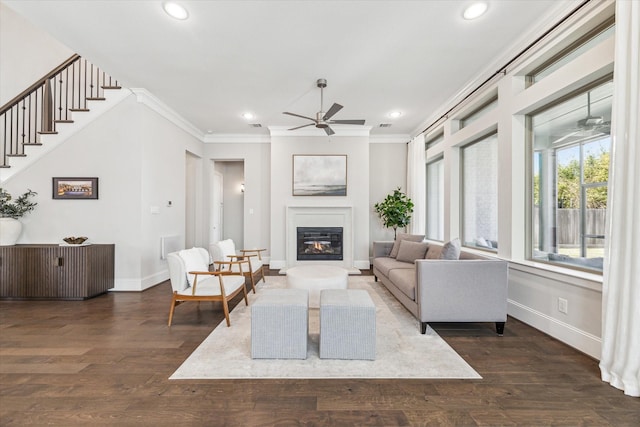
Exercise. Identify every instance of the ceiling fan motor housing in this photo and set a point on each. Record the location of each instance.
(320, 123)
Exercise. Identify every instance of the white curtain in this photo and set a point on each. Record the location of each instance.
(416, 184)
(620, 361)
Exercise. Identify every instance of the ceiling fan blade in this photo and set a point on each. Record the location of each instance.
(348, 122)
(567, 136)
(333, 110)
(329, 131)
(303, 126)
(298, 115)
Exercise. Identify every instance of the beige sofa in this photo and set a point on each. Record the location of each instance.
(472, 288)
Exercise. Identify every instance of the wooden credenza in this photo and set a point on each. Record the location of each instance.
(56, 272)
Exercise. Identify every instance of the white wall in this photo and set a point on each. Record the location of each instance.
(534, 288)
(357, 150)
(26, 54)
(387, 171)
(164, 148)
(138, 158)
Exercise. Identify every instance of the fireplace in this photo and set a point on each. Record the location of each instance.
(319, 243)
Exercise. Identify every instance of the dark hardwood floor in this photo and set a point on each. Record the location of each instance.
(107, 361)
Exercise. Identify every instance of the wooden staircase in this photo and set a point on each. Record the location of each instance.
(48, 105)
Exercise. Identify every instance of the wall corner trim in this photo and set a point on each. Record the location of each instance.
(145, 97)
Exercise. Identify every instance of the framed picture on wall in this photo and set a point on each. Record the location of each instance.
(75, 188)
(319, 175)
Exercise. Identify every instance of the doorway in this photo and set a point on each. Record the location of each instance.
(191, 167)
(227, 201)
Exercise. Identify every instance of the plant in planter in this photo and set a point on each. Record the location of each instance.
(10, 211)
(395, 210)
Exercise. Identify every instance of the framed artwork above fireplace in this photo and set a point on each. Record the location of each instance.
(319, 175)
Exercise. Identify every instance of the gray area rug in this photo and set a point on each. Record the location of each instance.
(401, 351)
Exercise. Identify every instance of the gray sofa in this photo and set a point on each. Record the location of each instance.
(472, 288)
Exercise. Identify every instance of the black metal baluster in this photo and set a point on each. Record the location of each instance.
(29, 123)
(73, 85)
(11, 132)
(35, 119)
(85, 83)
(60, 98)
(4, 152)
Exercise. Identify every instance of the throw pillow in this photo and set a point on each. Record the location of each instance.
(404, 236)
(451, 250)
(227, 247)
(433, 252)
(193, 261)
(482, 242)
(411, 251)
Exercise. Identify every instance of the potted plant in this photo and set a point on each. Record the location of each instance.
(395, 210)
(10, 210)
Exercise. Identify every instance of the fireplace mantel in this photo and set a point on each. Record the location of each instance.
(320, 216)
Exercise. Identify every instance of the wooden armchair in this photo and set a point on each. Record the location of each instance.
(225, 250)
(191, 280)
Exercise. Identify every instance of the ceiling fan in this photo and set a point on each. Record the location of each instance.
(588, 126)
(323, 120)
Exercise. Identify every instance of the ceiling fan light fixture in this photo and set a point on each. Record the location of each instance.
(175, 10)
(475, 10)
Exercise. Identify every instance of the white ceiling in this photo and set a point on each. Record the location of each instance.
(265, 56)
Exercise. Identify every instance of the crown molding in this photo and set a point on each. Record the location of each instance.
(145, 97)
(341, 130)
(236, 138)
(399, 138)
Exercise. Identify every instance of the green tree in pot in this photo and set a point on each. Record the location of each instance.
(10, 211)
(395, 210)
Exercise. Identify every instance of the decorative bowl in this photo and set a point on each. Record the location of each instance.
(75, 240)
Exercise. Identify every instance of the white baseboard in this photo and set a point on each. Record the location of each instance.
(362, 264)
(127, 285)
(154, 279)
(277, 264)
(568, 334)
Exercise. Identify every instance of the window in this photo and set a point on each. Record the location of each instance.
(480, 193)
(571, 145)
(479, 112)
(574, 50)
(435, 140)
(435, 200)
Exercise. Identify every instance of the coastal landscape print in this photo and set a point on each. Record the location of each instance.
(319, 175)
(75, 188)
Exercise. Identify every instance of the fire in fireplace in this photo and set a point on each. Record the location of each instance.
(319, 243)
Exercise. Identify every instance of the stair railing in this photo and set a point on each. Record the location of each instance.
(49, 101)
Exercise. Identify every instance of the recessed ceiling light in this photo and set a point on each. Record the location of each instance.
(248, 116)
(175, 10)
(475, 10)
(394, 114)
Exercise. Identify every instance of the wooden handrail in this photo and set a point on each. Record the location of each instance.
(51, 99)
(38, 83)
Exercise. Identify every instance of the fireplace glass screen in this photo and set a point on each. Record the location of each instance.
(319, 243)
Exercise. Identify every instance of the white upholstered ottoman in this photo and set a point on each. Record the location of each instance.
(280, 324)
(315, 278)
(347, 324)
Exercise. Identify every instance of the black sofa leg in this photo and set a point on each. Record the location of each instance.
(500, 328)
(375, 278)
(423, 328)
